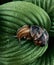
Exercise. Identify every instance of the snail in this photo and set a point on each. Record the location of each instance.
(39, 35)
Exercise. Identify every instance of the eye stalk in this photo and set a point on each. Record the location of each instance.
(39, 35)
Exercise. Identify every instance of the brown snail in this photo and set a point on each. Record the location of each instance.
(39, 35)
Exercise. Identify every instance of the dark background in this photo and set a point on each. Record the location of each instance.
(4, 1)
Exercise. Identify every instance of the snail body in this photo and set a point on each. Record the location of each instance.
(37, 34)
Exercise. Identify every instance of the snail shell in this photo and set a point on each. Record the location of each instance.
(24, 32)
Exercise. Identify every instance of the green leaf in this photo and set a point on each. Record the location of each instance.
(14, 53)
(47, 58)
(48, 6)
(12, 16)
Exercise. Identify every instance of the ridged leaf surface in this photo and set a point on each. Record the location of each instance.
(13, 16)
